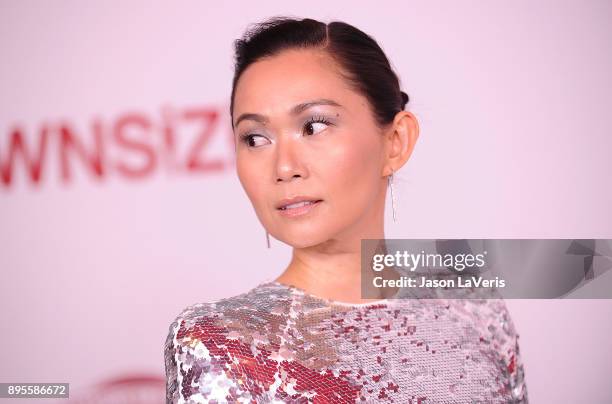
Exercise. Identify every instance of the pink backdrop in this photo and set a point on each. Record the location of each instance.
(129, 209)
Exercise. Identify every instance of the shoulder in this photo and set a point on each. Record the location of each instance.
(490, 317)
(211, 347)
(244, 313)
(499, 333)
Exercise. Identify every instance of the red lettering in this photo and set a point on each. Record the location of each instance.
(94, 160)
(146, 150)
(208, 117)
(17, 146)
(169, 118)
(140, 143)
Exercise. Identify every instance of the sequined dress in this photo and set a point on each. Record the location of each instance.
(279, 344)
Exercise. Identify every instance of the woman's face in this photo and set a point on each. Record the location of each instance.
(332, 153)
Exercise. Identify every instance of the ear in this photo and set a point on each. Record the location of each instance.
(400, 140)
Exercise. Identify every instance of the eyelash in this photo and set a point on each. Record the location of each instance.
(315, 119)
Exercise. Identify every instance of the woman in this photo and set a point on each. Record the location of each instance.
(320, 129)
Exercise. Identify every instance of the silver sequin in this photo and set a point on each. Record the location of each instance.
(279, 344)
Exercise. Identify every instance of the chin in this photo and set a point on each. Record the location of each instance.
(299, 242)
(301, 239)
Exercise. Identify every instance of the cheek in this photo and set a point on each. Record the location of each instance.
(355, 160)
(354, 170)
(250, 176)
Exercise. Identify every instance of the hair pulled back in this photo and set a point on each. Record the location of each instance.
(362, 62)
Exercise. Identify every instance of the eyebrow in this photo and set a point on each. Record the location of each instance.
(299, 108)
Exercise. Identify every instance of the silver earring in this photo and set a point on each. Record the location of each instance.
(390, 182)
(268, 239)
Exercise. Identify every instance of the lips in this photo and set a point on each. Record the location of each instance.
(296, 202)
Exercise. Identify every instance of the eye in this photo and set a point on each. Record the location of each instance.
(313, 121)
(249, 140)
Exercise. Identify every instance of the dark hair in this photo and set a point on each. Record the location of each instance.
(363, 63)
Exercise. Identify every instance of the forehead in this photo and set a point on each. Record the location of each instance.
(274, 84)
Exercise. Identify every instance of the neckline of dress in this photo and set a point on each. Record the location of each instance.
(329, 302)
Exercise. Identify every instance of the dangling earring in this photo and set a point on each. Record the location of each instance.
(390, 183)
(268, 239)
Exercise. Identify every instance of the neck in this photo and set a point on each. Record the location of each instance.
(332, 269)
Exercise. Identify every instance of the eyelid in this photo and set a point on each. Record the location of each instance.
(324, 119)
(313, 117)
(303, 118)
(256, 130)
(318, 113)
(244, 139)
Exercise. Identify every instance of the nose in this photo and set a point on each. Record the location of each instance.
(289, 164)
